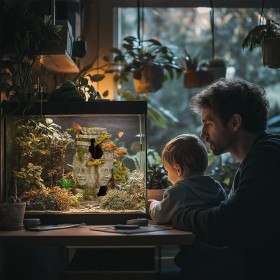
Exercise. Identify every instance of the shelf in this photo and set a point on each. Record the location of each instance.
(59, 63)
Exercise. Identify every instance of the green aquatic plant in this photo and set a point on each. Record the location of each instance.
(67, 183)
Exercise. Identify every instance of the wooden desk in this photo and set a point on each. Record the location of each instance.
(84, 237)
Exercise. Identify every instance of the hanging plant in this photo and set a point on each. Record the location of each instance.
(266, 35)
(215, 66)
(148, 61)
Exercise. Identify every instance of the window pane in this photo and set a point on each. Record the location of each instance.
(186, 28)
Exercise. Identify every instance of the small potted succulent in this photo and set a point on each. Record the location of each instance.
(266, 35)
(194, 76)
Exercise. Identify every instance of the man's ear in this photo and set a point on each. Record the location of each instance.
(236, 122)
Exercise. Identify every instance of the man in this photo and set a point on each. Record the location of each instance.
(234, 119)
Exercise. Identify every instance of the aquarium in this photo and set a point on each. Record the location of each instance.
(76, 157)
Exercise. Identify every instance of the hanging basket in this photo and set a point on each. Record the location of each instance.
(271, 53)
(150, 80)
(196, 79)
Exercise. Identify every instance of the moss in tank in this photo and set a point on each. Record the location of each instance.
(131, 195)
(56, 199)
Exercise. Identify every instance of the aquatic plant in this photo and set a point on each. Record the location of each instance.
(120, 171)
(29, 177)
(67, 183)
(137, 192)
(42, 143)
(101, 138)
(117, 200)
(81, 153)
(56, 199)
(86, 194)
(131, 196)
(95, 162)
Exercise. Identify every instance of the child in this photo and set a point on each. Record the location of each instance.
(185, 160)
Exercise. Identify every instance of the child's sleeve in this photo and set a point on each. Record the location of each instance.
(162, 211)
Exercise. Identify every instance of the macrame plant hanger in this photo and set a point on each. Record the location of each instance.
(140, 31)
(140, 20)
(212, 23)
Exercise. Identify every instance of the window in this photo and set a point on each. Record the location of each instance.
(178, 24)
(189, 28)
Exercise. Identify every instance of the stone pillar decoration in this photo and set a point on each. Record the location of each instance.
(93, 174)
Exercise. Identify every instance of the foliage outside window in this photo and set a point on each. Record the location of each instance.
(186, 28)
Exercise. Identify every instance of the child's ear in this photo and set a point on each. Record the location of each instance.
(178, 170)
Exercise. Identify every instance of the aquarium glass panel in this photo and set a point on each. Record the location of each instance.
(85, 163)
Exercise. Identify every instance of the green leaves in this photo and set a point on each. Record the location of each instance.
(269, 30)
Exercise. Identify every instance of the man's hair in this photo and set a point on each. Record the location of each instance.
(188, 152)
(236, 96)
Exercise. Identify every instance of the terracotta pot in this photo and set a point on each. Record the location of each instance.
(270, 52)
(196, 79)
(150, 80)
(12, 215)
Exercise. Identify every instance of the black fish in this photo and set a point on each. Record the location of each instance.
(95, 150)
(102, 191)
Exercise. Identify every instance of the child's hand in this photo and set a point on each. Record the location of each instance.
(150, 201)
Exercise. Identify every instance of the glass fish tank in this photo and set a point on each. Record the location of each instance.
(76, 158)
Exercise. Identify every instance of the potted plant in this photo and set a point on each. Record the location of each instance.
(267, 36)
(194, 77)
(12, 211)
(157, 181)
(146, 60)
(78, 90)
(157, 178)
(27, 38)
(216, 68)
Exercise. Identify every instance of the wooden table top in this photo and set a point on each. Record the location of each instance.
(85, 235)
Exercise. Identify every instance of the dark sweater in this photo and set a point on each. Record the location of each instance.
(250, 218)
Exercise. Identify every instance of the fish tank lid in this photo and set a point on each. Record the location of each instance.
(75, 107)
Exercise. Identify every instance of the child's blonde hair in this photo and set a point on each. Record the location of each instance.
(188, 152)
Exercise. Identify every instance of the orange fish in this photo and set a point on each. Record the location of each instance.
(120, 134)
(121, 152)
(77, 127)
(109, 145)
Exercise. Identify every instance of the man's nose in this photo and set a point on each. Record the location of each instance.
(202, 133)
